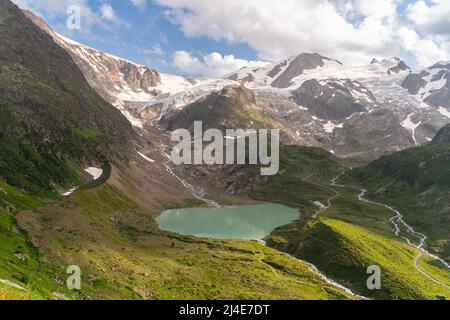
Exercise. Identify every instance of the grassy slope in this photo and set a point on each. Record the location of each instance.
(416, 182)
(123, 255)
(31, 273)
(50, 119)
(348, 237)
(353, 249)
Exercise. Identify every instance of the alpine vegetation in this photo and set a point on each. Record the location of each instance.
(238, 146)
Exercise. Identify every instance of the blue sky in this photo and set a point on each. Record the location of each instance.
(216, 36)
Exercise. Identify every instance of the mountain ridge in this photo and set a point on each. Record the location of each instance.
(333, 114)
(50, 115)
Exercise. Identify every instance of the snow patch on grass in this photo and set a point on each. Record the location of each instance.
(94, 172)
(146, 158)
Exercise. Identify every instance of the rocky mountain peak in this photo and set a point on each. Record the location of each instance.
(401, 66)
(239, 95)
(431, 85)
(296, 67)
(108, 75)
(393, 65)
(232, 107)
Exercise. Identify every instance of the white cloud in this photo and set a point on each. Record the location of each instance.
(353, 31)
(213, 64)
(108, 12)
(426, 51)
(428, 36)
(378, 8)
(277, 30)
(157, 50)
(433, 18)
(106, 18)
(141, 4)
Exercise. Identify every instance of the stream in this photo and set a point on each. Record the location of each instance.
(399, 220)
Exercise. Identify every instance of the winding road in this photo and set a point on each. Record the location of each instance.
(417, 266)
(330, 201)
(397, 221)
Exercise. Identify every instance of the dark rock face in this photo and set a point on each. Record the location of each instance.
(438, 95)
(414, 82)
(441, 97)
(330, 102)
(443, 136)
(400, 67)
(370, 135)
(248, 78)
(303, 62)
(48, 99)
(277, 69)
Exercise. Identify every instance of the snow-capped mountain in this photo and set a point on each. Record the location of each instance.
(431, 86)
(141, 93)
(352, 111)
(292, 72)
(362, 111)
(285, 74)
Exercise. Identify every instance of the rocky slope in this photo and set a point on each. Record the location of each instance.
(141, 93)
(443, 136)
(49, 115)
(353, 111)
(432, 86)
(232, 107)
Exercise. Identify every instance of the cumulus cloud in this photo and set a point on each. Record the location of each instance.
(432, 18)
(213, 64)
(108, 14)
(277, 30)
(106, 17)
(353, 31)
(426, 51)
(141, 4)
(428, 38)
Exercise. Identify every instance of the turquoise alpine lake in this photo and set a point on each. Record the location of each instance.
(252, 222)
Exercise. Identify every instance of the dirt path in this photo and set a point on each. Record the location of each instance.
(384, 188)
(417, 266)
(330, 201)
(397, 220)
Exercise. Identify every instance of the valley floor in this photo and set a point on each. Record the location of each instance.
(350, 234)
(110, 232)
